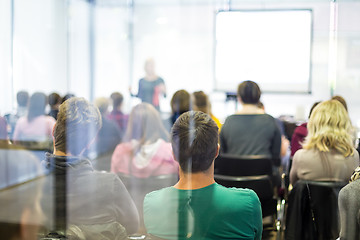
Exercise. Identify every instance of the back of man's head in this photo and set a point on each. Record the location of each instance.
(77, 124)
(194, 139)
(117, 99)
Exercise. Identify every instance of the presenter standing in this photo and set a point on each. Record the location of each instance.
(151, 86)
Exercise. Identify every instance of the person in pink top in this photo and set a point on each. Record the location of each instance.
(145, 150)
(36, 126)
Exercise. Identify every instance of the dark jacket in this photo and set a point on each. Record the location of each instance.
(93, 198)
(312, 212)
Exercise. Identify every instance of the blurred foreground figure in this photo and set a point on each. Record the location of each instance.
(98, 204)
(197, 207)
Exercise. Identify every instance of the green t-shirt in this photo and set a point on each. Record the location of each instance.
(212, 212)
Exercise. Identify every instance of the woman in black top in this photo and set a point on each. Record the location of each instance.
(151, 86)
(250, 131)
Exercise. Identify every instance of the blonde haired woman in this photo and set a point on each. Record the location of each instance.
(328, 153)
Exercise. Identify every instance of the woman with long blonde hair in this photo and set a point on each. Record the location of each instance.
(328, 152)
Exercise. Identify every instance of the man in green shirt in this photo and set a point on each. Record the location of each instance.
(197, 207)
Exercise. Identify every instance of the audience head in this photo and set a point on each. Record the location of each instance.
(312, 107)
(329, 128)
(3, 129)
(67, 96)
(77, 125)
(54, 100)
(341, 100)
(201, 102)
(194, 139)
(249, 92)
(145, 125)
(22, 98)
(103, 105)
(117, 100)
(180, 102)
(37, 104)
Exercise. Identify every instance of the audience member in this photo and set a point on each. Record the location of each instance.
(36, 126)
(341, 100)
(250, 131)
(299, 134)
(197, 207)
(98, 203)
(349, 208)
(328, 153)
(116, 114)
(22, 99)
(109, 135)
(3, 130)
(67, 96)
(202, 103)
(54, 103)
(180, 103)
(145, 151)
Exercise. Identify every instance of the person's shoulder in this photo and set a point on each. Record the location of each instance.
(159, 194)
(123, 147)
(351, 189)
(160, 80)
(240, 192)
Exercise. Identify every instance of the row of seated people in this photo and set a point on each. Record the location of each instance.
(260, 126)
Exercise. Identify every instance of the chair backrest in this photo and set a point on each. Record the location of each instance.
(251, 171)
(313, 211)
(243, 165)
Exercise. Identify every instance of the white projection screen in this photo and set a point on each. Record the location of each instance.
(270, 47)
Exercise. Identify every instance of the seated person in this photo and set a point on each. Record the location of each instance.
(251, 131)
(22, 98)
(328, 153)
(36, 126)
(145, 150)
(116, 114)
(110, 134)
(54, 103)
(299, 134)
(97, 202)
(180, 103)
(349, 208)
(202, 103)
(197, 207)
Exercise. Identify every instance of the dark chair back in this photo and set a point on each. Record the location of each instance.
(253, 172)
(243, 165)
(313, 211)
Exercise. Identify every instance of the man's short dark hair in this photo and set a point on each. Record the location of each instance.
(249, 92)
(77, 124)
(117, 99)
(22, 98)
(194, 139)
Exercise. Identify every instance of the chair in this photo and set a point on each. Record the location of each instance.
(312, 212)
(254, 172)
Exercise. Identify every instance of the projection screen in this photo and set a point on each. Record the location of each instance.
(270, 47)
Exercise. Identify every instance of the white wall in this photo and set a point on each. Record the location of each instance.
(5, 54)
(177, 34)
